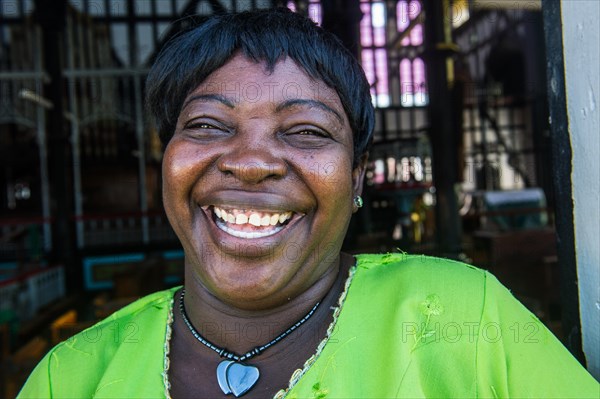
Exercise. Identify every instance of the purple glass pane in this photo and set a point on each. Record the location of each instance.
(406, 82)
(414, 8)
(379, 36)
(365, 25)
(368, 65)
(314, 12)
(419, 74)
(402, 20)
(381, 70)
(416, 35)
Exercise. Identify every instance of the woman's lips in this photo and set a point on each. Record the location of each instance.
(248, 223)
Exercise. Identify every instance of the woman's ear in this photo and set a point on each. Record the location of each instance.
(358, 175)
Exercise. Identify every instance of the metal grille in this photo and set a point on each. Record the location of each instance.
(108, 47)
(505, 118)
(23, 154)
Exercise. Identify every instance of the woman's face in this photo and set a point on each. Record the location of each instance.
(258, 182)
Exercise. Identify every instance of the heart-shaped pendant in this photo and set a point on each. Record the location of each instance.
(222, 376)
(236, 378)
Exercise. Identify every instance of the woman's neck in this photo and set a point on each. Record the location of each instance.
(240, 330)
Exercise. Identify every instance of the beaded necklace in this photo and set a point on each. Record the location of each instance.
(296, 375)
(234, 376)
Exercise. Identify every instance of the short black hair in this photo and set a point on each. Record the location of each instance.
(263, 36)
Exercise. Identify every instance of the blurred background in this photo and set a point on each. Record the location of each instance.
(465, 162)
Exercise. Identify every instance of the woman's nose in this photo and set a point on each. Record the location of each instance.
(252, 165)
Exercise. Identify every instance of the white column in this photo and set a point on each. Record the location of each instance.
(581, 33)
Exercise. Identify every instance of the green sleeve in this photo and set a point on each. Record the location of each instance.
(517, 356)
(122, 356)
(38, 384)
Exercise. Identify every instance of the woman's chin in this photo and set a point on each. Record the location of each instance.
(243, 285)
(248, 296)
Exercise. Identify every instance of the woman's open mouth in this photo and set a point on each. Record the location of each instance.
(247, 223)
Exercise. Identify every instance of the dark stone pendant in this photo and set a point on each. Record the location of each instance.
(236, 378)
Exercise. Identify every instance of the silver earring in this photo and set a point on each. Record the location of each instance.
(358, 201)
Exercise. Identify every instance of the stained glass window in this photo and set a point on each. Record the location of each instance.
(379, 55)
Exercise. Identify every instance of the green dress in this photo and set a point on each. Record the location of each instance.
(406, 326)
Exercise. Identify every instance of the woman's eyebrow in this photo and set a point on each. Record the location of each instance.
(208, 98)
(311, 103)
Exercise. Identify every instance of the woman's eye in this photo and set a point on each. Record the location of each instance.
(314, 133)
(307, 133)
(199, 125)
(308, 138)
(205, 130)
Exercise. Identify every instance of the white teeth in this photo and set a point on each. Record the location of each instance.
(284, 216)
(241, 219)
(254, 220)
(274, 219)
(226, 219)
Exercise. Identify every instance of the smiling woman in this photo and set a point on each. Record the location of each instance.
(267, 121)
(233, 165)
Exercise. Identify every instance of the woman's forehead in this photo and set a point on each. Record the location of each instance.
(244, 80)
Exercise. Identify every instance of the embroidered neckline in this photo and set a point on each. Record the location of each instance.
(296, 375)
(167, 349)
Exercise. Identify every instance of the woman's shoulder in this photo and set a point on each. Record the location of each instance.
(147, 306)
(101, 355)
(448, 329)
(126, 325)
(421, 272)
(403, 283)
